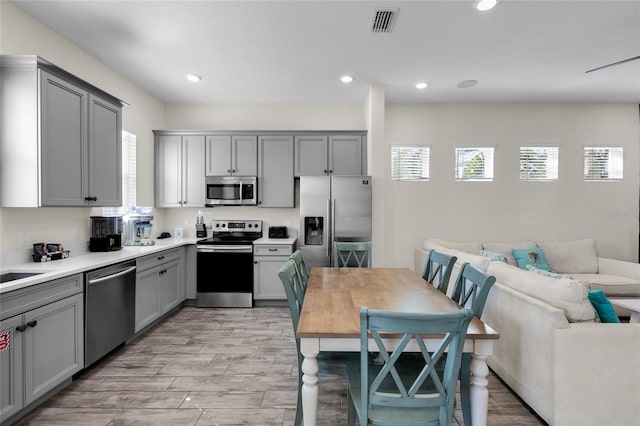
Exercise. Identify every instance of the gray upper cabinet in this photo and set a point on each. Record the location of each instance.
(275, 171)
(61, 138)
(179, 171)
(231, 155)
(317, 155)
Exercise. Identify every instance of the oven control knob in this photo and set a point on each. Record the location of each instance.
(249, 225)
(224, 225)
(217, 225)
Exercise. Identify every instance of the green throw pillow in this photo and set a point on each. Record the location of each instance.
(531, 256)
(602, 306)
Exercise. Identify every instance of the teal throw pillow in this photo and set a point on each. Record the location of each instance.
(544, 272)
(602, 306)
(493, 255)
(531, 256)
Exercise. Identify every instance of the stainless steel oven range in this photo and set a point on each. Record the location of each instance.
(225, 264)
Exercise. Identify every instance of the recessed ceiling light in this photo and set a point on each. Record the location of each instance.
(193, 78)
(346, 79)
(467, 83)
(483, 5)
(421, 85)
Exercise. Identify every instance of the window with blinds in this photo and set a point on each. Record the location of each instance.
(603, 163)
(410, 162)
(474, 164)
(539, 163)
(128, 176)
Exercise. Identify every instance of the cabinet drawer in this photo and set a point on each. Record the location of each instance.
(25, 299)
(156, 259)
(272, 250)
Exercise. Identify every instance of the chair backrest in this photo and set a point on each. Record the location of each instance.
(431, 388)
(301, 268)
(437, 270)
(471, 288)
(352, 254)
(295, 294)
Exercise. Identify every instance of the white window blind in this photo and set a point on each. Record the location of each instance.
(410, 162)
(603, 163)
(539, 163)
(128, 176)
(474, 164)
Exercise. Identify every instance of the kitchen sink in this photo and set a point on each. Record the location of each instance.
(12, 276)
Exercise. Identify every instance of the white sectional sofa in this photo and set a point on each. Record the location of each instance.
(569, 368)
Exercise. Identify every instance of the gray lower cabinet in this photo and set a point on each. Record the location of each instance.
(46, 347)
(159, 286)
(275, 171)
(267, 261)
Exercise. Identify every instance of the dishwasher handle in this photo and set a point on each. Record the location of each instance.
(108, 277)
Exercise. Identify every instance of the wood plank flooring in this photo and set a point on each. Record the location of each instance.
(216, 367)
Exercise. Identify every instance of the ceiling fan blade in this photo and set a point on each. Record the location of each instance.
(613, 64)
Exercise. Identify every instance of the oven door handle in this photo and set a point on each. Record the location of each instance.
(224, 249)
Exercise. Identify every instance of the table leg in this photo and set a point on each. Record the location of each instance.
(479, 393)
(310, 349)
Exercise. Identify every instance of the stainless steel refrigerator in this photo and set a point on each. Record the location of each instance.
(332, 208)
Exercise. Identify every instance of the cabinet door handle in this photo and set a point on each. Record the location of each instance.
(161, 257)
(330, 171)
(21, 328)
(32, 324)
(273, 249)
(325, 171)
(91, 198)
(228, 170)
(255, 262)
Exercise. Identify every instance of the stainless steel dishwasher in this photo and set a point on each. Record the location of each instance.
(109, 316)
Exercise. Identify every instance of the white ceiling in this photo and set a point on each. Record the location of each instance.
(294, 51)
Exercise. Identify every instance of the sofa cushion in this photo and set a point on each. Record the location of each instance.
(469, 247)
(612, 285)
(564, 293)
(505, 248)
(577, 256)
(531, 256)
(602, 306)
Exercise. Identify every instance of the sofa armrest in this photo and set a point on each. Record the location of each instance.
(619, 267)
(420, 258)
(596, 374)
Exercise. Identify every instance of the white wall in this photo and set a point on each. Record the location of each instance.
(22, 34)
(507, 209)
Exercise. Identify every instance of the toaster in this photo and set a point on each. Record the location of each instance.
(278, 232)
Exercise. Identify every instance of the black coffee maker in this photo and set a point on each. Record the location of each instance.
(106, 233)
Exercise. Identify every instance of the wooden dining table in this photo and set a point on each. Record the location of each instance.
(330, 321)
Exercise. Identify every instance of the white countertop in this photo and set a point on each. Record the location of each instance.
(84, 262)
(283, 241)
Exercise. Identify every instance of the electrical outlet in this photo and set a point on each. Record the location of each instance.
(24, 238)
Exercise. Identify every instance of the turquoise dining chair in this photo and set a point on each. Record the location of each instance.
(398, 394)
(301, 268)
(471, 290)
(352, 254)
(328, 362)
(437, 270)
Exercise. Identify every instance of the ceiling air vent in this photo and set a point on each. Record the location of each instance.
(382, 20)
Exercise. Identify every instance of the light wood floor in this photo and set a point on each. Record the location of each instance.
(216, 367)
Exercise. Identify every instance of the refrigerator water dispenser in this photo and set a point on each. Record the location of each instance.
(313, 230)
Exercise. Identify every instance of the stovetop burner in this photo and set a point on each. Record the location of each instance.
(234, 232)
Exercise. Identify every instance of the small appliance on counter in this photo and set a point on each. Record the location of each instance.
(50, 251)
(278, 232)
(138, 227)
(201, 229)
(106, 233)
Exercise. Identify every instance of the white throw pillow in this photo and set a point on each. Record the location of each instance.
(505, 248)
(577, 256)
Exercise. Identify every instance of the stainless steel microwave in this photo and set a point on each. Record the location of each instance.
(231, 191)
